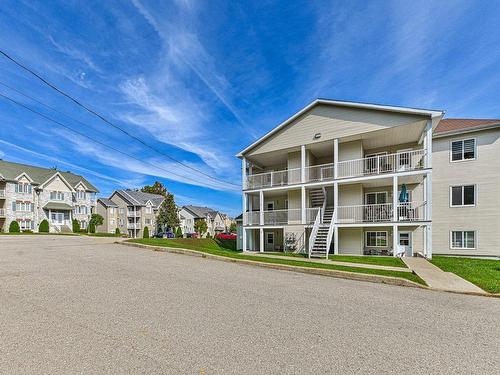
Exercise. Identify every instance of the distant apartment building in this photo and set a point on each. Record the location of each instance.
(130, 211)
(217, 222)
(354, 178)
(30, 194)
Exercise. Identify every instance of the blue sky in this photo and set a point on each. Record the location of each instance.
(201, 80)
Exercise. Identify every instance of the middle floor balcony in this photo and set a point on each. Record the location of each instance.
(280, 217)
(382, 212)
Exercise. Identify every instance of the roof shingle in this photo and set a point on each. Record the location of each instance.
(459, 124)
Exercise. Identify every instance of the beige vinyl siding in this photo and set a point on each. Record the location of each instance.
(351, 241)
(350, 150)
(332, 122)
(484, 217)
(350, 195)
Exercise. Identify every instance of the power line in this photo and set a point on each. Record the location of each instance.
(91, 111)
(95, 140)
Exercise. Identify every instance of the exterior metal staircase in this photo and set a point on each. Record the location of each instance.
(320, 244)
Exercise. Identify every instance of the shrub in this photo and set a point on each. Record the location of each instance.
(145, 233)
(178, 232)
(226, 243)
(86, 230)
(27, 231)
(76, 226)
(208, 235)
(92, 227)
(14, 227)
(44, 226)
(117, 231)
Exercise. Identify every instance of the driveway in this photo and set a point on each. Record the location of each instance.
(86, 305)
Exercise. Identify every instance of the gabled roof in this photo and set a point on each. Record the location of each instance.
(463, 125)
(198, 212)
(10, 171)
(139, 198)
(340, 103)
(107, 202)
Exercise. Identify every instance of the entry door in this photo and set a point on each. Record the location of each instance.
(269, 241)
(405, 243)
(57, 217)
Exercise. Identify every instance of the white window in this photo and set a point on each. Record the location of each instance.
(148, 221)
(376, 239)
(149, 209)
(463, 239)
(270, 206)
(121, 221)
(122, 211)
(376, 198)
(26, 224)
(56, 196)
(23, 206)
(23, 188)
(464, 149)
(464, 195)
(83, 224)
(80, 194)
(112, 221)
(112, 210)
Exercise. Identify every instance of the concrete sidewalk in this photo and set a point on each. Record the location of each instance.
(327, 261)
(436, 278)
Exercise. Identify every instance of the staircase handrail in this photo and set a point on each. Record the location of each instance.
(299, 244)
(314, 231)
(329, 236)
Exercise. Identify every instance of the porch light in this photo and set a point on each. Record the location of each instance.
(317, 136)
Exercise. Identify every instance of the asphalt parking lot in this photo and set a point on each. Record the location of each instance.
(86, 305)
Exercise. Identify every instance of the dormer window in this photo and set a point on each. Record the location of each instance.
(23, 187)
(80, 194)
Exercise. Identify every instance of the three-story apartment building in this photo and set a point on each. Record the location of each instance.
(130, 211)
(351, 177)
(30, 194)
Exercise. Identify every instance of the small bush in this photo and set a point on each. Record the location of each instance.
(92, 227)
(178, 232)
(76, 226)
(84, 230)
(145, 233)
(28, 231)
(14, 227)
(44, 226)
(226, 243)
(117, 231)
(208, 235)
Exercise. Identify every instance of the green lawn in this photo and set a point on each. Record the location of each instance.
(102, 234)
(210, 246)
(485, 273)
(365, 259)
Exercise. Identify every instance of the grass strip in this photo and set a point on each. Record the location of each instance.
(485, 273)
(209, 246)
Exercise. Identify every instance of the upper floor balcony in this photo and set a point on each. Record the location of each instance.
(381, 163)
(134, 213)
(2, 193)
(2, 212)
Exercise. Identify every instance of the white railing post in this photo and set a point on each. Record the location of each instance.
(314, 232)
(395, 207)
(428, 144)
(335, 157)
(303, 163)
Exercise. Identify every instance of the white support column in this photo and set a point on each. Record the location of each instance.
(244, 239)
(261, 207)
(243, 173)
(303, 205)
(335, 157)
(335, 201)
(244, 207)
(395, 198)
(425, 240)
(261, 245)
(428, 204)
(428, 143)
(336, 240)
(395, 235)
(429, 241)
(303, 163)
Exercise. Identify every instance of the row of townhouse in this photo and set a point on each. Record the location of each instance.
(356, 178)
(217, 222)
(30, 194)
(130, 211)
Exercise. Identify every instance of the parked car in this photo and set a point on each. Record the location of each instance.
(192, 235)
(164, 235)
(226, 236)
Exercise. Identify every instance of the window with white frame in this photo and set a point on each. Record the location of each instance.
(149, 209)
(148, 221)
(376, 198)
(80, 194)
(122, 211)
(376, 239)
(464, 195)
(463, 239)
(23, 187)
(56, 196)
(26, 224)
(111, 210)
(464, 149)
(83, 224)
(21, 206)
(111, 221)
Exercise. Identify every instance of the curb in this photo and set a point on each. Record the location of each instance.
(284, 267)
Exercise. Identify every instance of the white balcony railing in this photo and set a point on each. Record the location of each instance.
(2, 193)
(133, 225)
(412, 211)
(311, 214)
(251, 218)
(279, 217)
(2, 212)
(270, 179)
(317, 173)
(133, 213)
(363, 213)
(379, 164)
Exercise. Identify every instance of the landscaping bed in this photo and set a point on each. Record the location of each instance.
(210, 246)
(485, 273)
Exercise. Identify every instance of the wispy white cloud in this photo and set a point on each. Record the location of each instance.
(75, 54)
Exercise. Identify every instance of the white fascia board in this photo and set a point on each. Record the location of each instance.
(433, 114)
(57, 174)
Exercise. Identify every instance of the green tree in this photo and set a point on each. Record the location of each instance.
(178, 232)
(145, 234)
(76, 226)
(97, 220)
(200, 226)
(44, 226)
(232, 228)
(14, 227)
(117, 230)
(167, 214)
(156, 188)
(92, 227)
